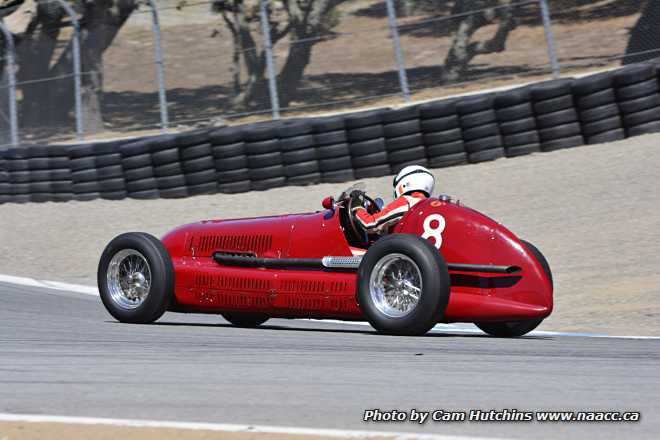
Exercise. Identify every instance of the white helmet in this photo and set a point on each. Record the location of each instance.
(413, 178)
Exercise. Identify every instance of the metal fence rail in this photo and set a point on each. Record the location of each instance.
(177, 48)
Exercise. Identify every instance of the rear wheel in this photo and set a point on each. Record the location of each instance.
(136, 278)
(245, 319)
(403, 285)
(518, 328)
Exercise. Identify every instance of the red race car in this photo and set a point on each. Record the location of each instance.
(442, 263)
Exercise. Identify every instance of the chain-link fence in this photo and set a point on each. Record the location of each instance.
(107, 69)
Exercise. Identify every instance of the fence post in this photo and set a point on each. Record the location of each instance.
(268, 46)
(10, 68)
(398, 55)
(77, 75)
(160, 68)
(550, 38)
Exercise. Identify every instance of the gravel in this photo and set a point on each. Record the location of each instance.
(593, 211)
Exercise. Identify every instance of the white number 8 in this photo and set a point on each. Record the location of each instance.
(436, 232)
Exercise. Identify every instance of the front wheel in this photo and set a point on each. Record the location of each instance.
(136, 278)
(403, 285)
(519, 328)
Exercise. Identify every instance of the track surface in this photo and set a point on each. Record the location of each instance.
(62, 354)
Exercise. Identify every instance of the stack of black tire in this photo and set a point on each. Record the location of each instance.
(366, 142)
(138, 168)
(35, 174)
(638, 97)
(97, 172)
(332, 149)
(5, 186)
(597, 106)
(301, 166)
(231, 163)
(481, 132)
(403, 138)
(264, 156)
(441, 134)
(197, 162)
(168, 176)
(556, 116)
(515, 115)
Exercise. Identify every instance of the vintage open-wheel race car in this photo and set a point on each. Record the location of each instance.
(443, 262)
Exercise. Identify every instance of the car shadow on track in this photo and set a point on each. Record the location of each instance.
(366, 331)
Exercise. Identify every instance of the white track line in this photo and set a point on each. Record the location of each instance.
(440, 328)
(338, 433)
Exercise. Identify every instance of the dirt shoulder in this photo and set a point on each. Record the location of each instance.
(58, 431)
(593, 211)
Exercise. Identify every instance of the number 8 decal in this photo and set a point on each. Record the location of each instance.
(436, 232)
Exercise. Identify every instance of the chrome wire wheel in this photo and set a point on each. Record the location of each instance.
(395, 285)
(128, 279)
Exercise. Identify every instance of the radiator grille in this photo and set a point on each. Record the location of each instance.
(241, 284)
(252, 243)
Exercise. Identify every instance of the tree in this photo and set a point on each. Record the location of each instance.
(644, 42)
(50, 103)
(463, 49)
(302, 21)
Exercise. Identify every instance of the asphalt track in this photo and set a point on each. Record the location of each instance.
(61, 354)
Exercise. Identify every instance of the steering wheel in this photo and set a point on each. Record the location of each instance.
(354, 202)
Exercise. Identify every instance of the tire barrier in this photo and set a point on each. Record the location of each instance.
(542, 117)
(515, 116)
(481, 132)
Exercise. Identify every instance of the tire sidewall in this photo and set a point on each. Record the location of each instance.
(161, 292)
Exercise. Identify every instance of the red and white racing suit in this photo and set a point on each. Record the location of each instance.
(384, 220)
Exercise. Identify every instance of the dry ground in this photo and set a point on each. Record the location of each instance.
(594, 211)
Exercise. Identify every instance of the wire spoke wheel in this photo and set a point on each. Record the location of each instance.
(395, 285)
(129, 279)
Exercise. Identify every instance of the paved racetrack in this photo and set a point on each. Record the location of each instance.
(60, 353)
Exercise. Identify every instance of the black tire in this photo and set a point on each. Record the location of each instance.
(176, 192)
(404, 142)
(519, 328)
(440, 124)
(597, 99)
(550, 89)
(403, 128)
(486, 155)
(519, 126)
(557, 118)
(235, 187)
(397, 167)
(229, 150)
(599, 113)
(488, 143)
(265, 160)
(560, 131)
(372, 171)
(245, 319)
(643, 117)
(444, 149)
(335, 163)
(593, 83)
(368, 160)
(521, 150)
(553, 105)
(161, 293)
(297, 143)
(634, 75)
(640, 104)
(447, 160)
(365, 133)
(516, 112)
(560, 144)
(401, 114)
(407, 155)
(438, 109)
(608, 136)
(601, 126)
(511, 98)
(201, 177)
(331, 138)
(301, 168)
(139, 161)
(530, 137)
(267, 173)
(297, 156)
(480, 132)
(304, 179)
(639, 90)
(265, 184)
(164, 157)
(170, 169)
(338, 176)
(262, 147)
(226, 136)
(474, 105)
(478, 119)
(443, 137)
(168, 182)
(651, 127)
(231, 163)
(331, 151)
(232, 176)
(435, 282)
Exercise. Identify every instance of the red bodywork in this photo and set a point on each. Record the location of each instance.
(204, 286)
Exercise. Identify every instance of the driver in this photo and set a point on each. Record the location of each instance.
(412, 185)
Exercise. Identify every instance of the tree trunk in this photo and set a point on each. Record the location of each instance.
(463, 50)
(291, 75)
